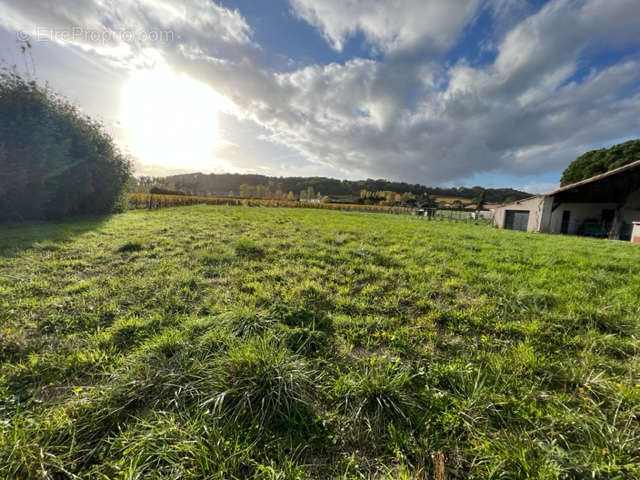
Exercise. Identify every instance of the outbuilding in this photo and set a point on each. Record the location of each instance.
(604, 206)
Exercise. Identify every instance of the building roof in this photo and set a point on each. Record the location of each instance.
(581, 183)
(596, 178)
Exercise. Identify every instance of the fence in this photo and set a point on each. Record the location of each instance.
(457, 215)
(153, 201)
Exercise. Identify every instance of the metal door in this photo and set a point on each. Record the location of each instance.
(516, 220)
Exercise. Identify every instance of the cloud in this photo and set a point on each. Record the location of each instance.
(124, 29)
(389, 25)
(539, 187)
(521, 114)
(407, 115)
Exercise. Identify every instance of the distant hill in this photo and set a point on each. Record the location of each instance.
(235, 184)
(600, 161)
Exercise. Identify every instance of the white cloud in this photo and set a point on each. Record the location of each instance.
(539, 187)
(124, 29)
(388, 24)
(407, 117)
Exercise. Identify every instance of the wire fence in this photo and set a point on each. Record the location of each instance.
(468, 216)
(154, 201)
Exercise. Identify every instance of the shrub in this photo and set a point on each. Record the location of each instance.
(54, 161)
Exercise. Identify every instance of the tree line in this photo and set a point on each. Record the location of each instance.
(601, 161)
(261, 186)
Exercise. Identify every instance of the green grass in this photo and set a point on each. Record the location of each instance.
(235, 342)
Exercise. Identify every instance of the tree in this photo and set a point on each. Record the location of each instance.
(600, 161)
(480, 200)
(54, 161)
(291, 195)
(362, 191)
(245, 190)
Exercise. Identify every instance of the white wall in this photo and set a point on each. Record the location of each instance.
(536, 206)
(543, 219)
(587, 211)
(635, 233)
(579, 213)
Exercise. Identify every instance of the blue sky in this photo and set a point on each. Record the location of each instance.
(440, 92)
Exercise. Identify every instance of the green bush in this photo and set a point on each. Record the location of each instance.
(54, 161)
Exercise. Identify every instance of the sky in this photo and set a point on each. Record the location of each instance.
(498, 93)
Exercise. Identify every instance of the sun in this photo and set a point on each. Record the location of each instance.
(171, 119)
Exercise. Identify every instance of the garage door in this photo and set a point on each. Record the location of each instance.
(516, 220)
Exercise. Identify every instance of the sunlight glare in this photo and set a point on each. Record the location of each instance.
(171, 119)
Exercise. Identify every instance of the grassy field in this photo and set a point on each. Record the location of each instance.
(236, 342)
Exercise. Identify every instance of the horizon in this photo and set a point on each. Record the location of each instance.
(503, 94)
(284, 177)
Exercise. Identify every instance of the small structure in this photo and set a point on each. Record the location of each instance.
(604, 206)
(635, 234)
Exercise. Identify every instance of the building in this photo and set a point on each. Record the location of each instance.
(604, 206)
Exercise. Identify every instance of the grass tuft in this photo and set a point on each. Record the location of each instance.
(383, 391)
(130, 247)
(262, 382)
(249, 250)
(245, 322)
